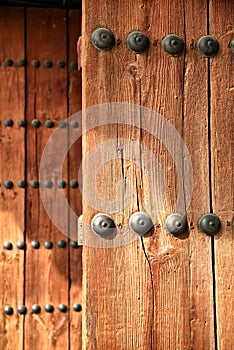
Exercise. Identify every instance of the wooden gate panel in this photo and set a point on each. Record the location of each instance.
(46, 269)
(222, 160)
(12, 160)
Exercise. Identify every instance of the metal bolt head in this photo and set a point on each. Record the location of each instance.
(21, 245)
(8, 310)
(21, 62)
(34, 184)
(8, 62)
(173, 45)
(208, 46)
(74, 124)
(8, 245)
(36, 123)
(8, 184)
(48, 184)
(103, 39)
(22, 183)
(140, 223)
(49, 308)
(48, 244)
(62, 124)
(103, 225)
(48, 63)
(62, 243)
(36, 309)
(62, 307)
(209, 224)
(61, 64)
(77, 307)
(49, 124)
(176, 224)
(73, 65)
(74, 244)
(8, 122)
(35, 63)
(137, 42)
(22, 123)
(22, 310)
(74, 184)
(35, 244)
(61, 184)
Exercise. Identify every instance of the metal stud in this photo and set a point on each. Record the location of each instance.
(21, 183)
(49, 308)
(208, 46)
(74, 124)
(21, 245)
(36, 123)
(62, 124)
(8, 184)
(103, 39)
(8, 122)
(62, 243)
(176, 224)
(77, 307)
(61, 184)
(137, 42)
(103, 225)
(34, 184)
(8, 62)
(49, 124)
(22, 310)
(8, 310)
(48, 183)
(74, 184)
(48, 63)
(61, 64)
(8, 245)
(22, 123)
(62, 307)
(73, 65)
(173, 45)
(36, 309)
(35, 244)
(48, 244)
(21, 62)
(35, 63)
(74, 244)
(209, 224)
(140, 223)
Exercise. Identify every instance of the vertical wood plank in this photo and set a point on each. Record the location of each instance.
(75, 200)
(12, 160)
(221, 122)
(46, 269)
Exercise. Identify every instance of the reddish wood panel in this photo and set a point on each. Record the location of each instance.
(75, 201)
(46, 269)
(12, 160)
(222, 151)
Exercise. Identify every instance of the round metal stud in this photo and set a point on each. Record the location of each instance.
(103, 39)
(48, 184)
(36, 123)
(8, 122)
(22, 123)
(62, 307)
(209, 224)
(49, 124)
(137, 42)
(173, 45)
(22, 310)
(62, 243)
(103, 225)
(48, 64)
(74, 124)
(61, 184)
(73, 65)
(8, 245)
(21, 62)
(208, 46)
(35, 63)
(21, 245)
(8, 310)
(176, 224)
(62, 124)
(49, 308)
(140, 223)
(74, 244)
(35, 244)
(8, 62)
(8, 184)
(77, 307)
(74, 184)
(48, 244)
(34, 184)
(61, 64)
(36, 309)
(21, 183)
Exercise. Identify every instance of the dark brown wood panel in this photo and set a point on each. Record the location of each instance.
(12, 160)
(222, 160)
(46, 269)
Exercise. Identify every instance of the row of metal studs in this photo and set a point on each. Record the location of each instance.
(35, 184)
(8, 62)
(35, 244)
(36, 309)
(36, 123)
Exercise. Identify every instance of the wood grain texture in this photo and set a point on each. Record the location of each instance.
(12, 160)
(222, 151)
(75, 201)
(46, 270)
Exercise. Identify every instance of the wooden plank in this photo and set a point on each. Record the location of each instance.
(163, 276)
(75, 200)
(221, 121)
(12, 160)
(46, 269)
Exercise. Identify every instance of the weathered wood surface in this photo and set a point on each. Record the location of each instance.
(222, 160)
(46, 269)
(12, 160)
